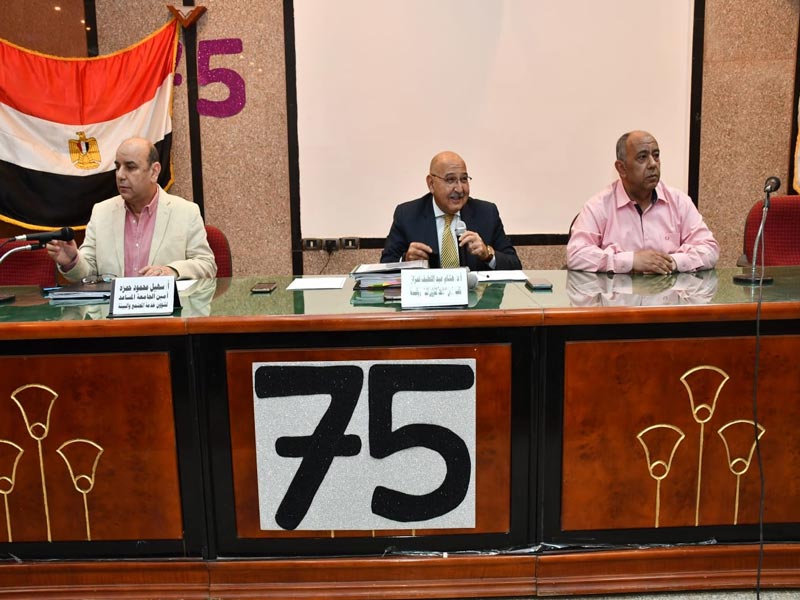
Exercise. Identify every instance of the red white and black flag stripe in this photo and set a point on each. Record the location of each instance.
(62, 119)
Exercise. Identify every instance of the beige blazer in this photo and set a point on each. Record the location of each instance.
(179, 240)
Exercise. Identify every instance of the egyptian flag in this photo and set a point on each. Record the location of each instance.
(62, 119)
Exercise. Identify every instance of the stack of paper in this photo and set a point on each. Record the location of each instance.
(383, 275)
(367, 297)
(82, 292)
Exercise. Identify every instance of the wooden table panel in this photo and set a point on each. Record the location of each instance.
(617, 390)
(111, 417)
(370, 578)
(82, 580)
(652, 570)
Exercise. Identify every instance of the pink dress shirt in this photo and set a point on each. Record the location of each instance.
(610, 229)
(139, 236)
(138, 239)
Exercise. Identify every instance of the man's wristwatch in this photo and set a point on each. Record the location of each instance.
(489, 254)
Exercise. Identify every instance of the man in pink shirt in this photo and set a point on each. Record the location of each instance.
(143, 231)
(638, 224)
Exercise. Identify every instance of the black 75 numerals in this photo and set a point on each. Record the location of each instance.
(384, 382)
(343, 383)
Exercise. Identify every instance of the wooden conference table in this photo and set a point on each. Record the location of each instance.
(595, 438)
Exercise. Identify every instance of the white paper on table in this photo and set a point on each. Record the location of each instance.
(500, 275)
(185, 284)
(317, 283)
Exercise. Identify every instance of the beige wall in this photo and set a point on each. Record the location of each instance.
(57, 32)
(245, 157)
(748, 82)
(748, 86)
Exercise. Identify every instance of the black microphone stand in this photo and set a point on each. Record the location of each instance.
(752, 278)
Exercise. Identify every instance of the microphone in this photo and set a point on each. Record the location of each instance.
(65, 233)
(461, 229)
(770, 185)
(472, 280)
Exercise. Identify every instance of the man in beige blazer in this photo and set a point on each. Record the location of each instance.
(117, 235)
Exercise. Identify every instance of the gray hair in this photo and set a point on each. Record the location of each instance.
(622, 143)
(152, 155)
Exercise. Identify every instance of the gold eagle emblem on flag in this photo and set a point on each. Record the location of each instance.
(84, 152)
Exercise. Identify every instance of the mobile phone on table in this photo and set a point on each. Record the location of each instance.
(264, 287)
(7, 297)
(537, 284)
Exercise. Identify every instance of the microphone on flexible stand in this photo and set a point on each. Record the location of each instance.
(35, 246)
(65, 233)
(770, 185)
(18, 249)
(40, 239)
(461, 229)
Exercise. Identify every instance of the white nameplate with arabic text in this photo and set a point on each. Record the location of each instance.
(143, 296)
(424, 288)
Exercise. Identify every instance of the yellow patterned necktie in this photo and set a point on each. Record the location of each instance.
(449, 251)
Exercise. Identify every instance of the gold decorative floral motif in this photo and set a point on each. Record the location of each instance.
(660, 441)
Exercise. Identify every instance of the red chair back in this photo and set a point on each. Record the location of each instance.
(27, 267)
(781, 231)
(222, 251)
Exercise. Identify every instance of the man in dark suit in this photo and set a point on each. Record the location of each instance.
(420, 227)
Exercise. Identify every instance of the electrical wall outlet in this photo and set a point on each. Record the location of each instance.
(329, 245)
(312, 244)
(348, 243)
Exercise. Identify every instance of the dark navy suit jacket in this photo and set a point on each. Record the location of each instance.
(414, 221)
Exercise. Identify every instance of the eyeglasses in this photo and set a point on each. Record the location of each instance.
(452, 180)
(102, 278)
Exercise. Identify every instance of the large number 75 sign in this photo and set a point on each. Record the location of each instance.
(206, 75)
(435, 400)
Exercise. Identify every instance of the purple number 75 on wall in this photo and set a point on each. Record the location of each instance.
(234, 103)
